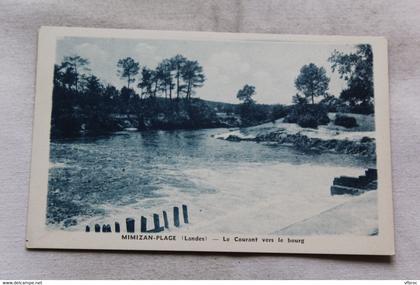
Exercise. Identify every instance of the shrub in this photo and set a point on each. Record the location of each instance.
(254, 114)
(306, 115)
(345, 121)
(278, 111)
(308, 121)
(200, 114)
(333, 104)
(343, 109)
(364, 109)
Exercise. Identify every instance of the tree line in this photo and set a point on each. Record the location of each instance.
(355, 68)
(312, 82)
(177, 75)
(83, 103)
(163, 97)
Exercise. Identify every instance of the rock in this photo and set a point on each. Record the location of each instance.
(233, 138)
(366, 140)
(365, 147)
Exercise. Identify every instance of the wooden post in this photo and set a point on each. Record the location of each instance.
(130, 225)
(106, 228)
(117, 227)
(156, 222)
(87, 229)
(185, 213)
(97, 228)
(165, 220)
(176, 217)
(143, 222)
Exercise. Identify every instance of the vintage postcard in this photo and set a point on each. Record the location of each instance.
(196, 141)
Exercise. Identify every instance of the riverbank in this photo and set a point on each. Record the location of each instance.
(149, 114)
(358, 141)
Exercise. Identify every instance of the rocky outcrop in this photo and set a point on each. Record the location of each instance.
(363, 147)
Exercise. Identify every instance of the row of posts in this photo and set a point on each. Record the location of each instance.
(130, 223)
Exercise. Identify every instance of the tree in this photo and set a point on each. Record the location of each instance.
(161, 77)
(334, 104)
(166, 67)
(155, 82)
(146, 82)
(128, 68)
(74, 67)
(192, 74)
(93, 85)
(166, 70)
(245, 94)
(312, 81)
(111, 96)
(70, 78)
(58, 76)
(357, 69)
(111, 92)
(299, 100)
(178, 63)
(127, 97)
(93, 90)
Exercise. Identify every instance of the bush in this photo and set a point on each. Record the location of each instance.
(345, 121)
(200, 114)
(308, 121)
(310, 116)
(279, 111)
(364, 109)
(343, 109)
(333, 104)
(254, 114)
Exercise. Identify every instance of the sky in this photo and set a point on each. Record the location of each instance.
(271, 67)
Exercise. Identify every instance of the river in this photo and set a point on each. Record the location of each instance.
(229, 187)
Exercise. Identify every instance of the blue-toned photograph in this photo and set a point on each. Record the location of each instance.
(196, 136)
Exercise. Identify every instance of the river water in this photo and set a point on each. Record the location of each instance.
(229, 187)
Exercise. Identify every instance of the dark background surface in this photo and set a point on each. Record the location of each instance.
(19, 22)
